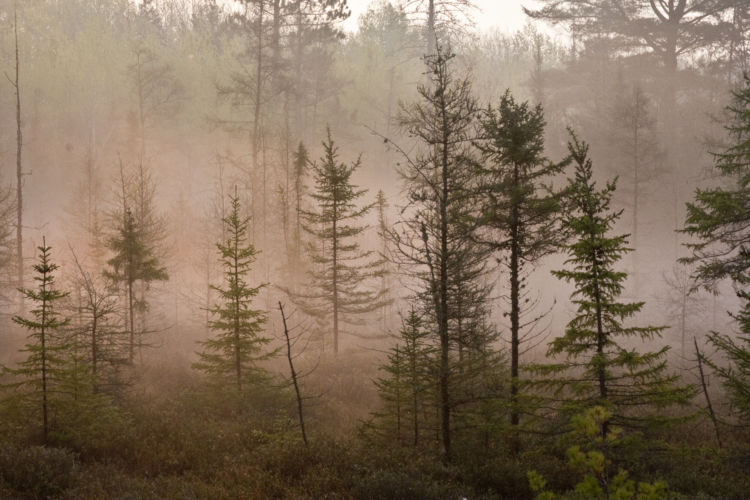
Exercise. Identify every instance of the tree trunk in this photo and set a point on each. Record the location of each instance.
(19, 170)
(514, 307)
(294, 376)
(442, 317)
(335, 282)
(431, 32)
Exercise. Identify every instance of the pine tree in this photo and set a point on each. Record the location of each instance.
(436, 239)
(719, 218)
(45, 365)
(405, 388)
(133, 263)
(339, 294)
(232, 355)
(520, 213)
(598, 369)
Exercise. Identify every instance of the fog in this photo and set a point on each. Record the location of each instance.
(165, 109)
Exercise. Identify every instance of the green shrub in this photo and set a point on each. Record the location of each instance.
(38, 471)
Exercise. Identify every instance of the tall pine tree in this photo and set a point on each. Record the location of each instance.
(436, 239)
(519, 212)
(338, 292)
(598, 369)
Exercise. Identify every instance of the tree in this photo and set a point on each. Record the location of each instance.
(441, 18)
(519, 212)
(436, 240)
(338, 283)
(237, 346)
(133, 263)
(405, 389)
(7, 242)
(719, 218)
(301, 162)
(294, 375)
(636, 139)
(633, 386)
(101, 333)
(734, 373)
(19, 164)
(44, 366)
(667, 29)
(381, 205)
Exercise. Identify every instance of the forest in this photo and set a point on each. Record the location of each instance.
(248, 251)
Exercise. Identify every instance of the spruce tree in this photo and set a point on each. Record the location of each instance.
(598, 369)
(133, 263)
(232, 355)
(719, 218)
(436, 239)
(339, 292)
(45, 366)
(405, 387)
(519, 212)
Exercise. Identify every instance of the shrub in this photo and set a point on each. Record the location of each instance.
(38, 471)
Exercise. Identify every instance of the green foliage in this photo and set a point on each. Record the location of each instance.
(519, 212)
(734, 372)
(718, 216)
(634, 386)
(719, 219)
(593, 461)
(134, 259)
(45, 368)
(232, 355)
(38, 471)
(405, 388)
(339, 292)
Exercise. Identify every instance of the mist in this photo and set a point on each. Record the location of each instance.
(275, 249)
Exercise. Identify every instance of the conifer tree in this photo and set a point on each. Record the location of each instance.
(519, 212)
(381, 206)
(436, 238)
(301, 161)
(232, 354)
(598, 368)
(133, 263)
(45, 365)
(339, 292)
(405, 388)
(719, 218)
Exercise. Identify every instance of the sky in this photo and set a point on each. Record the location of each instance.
(503, 14)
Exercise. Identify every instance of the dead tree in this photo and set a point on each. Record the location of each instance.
(295, 383)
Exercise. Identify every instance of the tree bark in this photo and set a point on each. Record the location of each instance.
(19, 169)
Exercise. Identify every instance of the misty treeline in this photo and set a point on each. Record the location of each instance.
(246, 254)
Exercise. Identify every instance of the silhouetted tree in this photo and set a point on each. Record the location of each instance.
(435, 238)
(519, 212)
